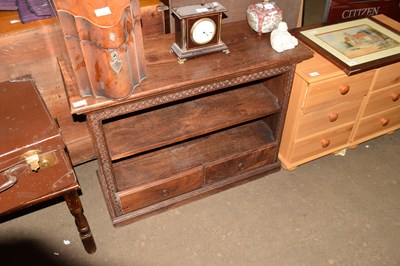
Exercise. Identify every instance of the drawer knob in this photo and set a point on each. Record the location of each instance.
(241, 166)
(164, 192)
(385, 121)
(325, 143)
(344, 89)
(395, 96)
(333, 117)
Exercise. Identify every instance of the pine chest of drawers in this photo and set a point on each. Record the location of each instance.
(329, 111)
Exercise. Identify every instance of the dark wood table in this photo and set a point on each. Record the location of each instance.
(34, 165)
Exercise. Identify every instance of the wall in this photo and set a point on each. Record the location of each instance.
(237, 9)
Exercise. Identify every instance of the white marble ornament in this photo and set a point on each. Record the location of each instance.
(281, 39)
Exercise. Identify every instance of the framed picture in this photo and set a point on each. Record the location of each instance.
(354, 46)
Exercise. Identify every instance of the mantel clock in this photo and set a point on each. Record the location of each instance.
(198, 30)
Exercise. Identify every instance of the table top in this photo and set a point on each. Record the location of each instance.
(10, 23)
(249, 53)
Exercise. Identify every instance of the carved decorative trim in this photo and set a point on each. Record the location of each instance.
(170, 97)
(285, 103)
(95, 124)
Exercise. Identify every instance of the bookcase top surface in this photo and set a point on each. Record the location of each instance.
(249, 53)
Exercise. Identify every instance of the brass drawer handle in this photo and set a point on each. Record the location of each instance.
(344, 89)
(384, 121)
(164, 192)
(395, 96)
(333, 117)
(325, 143)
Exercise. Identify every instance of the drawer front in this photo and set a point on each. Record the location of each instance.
(321, 144)
(383, 100)
(328, 118)
(387, 76)
(378, 124)
(136, 198)
(54, 175)
(337, 90)
(222, 169)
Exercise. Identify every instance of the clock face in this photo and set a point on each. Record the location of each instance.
(203, 31)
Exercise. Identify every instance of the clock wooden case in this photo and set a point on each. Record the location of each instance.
(198, 30)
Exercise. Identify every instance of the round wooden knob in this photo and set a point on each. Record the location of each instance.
(325, 143)
(344, 89)
(395, 96)
(164, 192)
(385, 121)
(333, 117)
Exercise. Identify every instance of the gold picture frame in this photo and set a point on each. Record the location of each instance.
(354, 46)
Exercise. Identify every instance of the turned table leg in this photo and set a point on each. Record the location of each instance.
(75, 207)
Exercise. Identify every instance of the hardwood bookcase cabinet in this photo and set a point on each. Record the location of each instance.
(331, 111)
(192, 129)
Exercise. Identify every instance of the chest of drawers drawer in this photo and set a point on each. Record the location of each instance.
(387, 76)
(336, 90)
(378, 124)
(383, 100)
(322, 143)
(327, 118)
